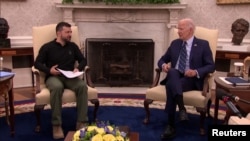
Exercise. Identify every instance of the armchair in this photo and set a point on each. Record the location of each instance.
(198, 99)
(42, 35)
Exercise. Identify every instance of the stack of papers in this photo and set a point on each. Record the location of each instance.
(70, 74)
(5, 74)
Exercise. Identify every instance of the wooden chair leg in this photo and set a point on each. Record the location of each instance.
(37, 110)
(146, 107)
(202, 123)
(6, 104)
(96, 103)
(208, 108)
(227, 116)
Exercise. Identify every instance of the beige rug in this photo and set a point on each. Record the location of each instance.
(23, 108)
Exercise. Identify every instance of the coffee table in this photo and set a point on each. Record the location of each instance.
(133, 136)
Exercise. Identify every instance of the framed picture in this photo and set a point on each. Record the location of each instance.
(232, 1)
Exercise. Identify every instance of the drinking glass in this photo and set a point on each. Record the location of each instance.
(238, 69)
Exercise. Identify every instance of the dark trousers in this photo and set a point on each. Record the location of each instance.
(56, 86)
(176, 84)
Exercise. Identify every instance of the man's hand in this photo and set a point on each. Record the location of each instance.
(165, 67)
(54, 71)
(190, 73)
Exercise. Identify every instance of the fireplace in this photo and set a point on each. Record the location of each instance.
(124, 22)
(120, 62)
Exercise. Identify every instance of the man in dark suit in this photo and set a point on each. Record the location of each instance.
(198, 62)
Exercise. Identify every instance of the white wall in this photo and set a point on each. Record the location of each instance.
(22, 15)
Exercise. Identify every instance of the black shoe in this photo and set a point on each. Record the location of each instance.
(169, 133)
(183, 115)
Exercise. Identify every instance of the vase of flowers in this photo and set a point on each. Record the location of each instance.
(101, 131)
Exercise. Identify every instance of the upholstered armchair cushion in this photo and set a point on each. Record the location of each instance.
(68, 96)
(194, 98)
(156, 93)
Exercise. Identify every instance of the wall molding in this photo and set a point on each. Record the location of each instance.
(27, 41)
(226, 40)
(21, 41)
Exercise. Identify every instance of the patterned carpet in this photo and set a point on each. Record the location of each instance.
(22, 108)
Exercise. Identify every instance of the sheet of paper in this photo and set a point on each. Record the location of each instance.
(224, 80)
(70, 74)
(5, 73)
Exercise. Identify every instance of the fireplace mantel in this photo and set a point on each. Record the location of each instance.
(70, 10)
(146, 21)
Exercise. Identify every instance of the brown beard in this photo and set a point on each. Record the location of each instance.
(66, 39)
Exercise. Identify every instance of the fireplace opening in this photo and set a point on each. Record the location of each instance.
(120, 62)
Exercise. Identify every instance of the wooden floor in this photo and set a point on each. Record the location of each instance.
(24, 93)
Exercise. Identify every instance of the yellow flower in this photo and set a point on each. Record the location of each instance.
(119, 138)
(109, 137)
(76, 136)
(97, 137)
(118, 133)
(91, 128)
(100, 130)
(110, 128)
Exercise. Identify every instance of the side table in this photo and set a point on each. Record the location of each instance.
(6, 86)
(240, 91)
(20, 51)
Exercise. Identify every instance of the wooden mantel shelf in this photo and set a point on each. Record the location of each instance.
(103, 12)
(124, 6)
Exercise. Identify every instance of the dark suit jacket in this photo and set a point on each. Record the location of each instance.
(201, 58)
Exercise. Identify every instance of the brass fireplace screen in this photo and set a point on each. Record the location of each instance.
(120, 62)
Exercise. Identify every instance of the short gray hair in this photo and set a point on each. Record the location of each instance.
(189, 22)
